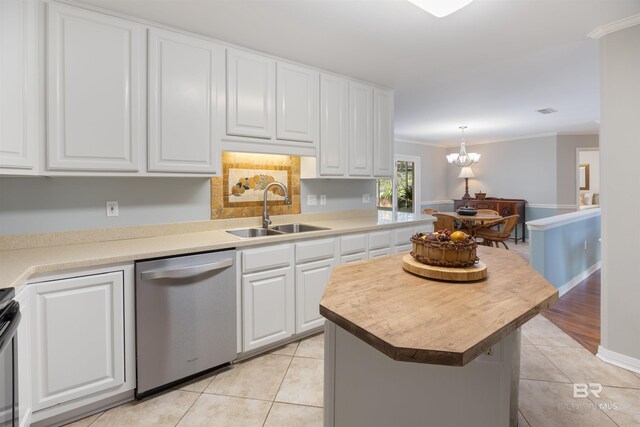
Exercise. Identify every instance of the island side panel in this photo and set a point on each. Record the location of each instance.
(363, 387)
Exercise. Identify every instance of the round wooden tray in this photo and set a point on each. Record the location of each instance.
(464, 274)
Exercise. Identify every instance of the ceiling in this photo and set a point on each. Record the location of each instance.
(488, 66)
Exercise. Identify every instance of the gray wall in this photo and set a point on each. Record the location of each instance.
(35, 205)
(620, 193)
(521, 169)
(342, 194)
(31, 205)
(566, 165)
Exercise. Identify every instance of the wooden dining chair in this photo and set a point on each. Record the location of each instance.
(490, 235)
(429, 211)
(444, 222)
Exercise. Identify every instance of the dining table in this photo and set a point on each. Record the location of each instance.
(468, 220)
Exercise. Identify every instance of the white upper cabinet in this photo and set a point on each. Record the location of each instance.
(18, 87)
(297, 103)
(360, 129)
(382, 132)
(96, 91)
(250, 87)
(334, 125)
(186, 92)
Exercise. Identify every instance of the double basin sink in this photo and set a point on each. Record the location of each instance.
(274, 231)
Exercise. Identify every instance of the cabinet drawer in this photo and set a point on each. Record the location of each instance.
(379, 252)
(402, 236)
(269, 257)
(379, 239)
(486, 205)
(403, 248)
(353, 244)
(315, 250)
(353, 258)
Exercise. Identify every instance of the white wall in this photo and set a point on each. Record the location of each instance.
(342, 194)
(620, 192)
(592, 158)
(432, 169)
(32, 205)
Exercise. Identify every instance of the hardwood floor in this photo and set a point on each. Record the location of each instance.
(578, 312)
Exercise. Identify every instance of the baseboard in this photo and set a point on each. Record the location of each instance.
(617, 359)
(578, 278)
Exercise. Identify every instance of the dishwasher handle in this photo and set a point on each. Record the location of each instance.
(181, 273)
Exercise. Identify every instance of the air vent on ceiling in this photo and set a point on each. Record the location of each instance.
(547, 110)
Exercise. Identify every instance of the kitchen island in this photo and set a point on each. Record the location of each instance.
(403, 350)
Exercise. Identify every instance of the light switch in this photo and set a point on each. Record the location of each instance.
(323, 199)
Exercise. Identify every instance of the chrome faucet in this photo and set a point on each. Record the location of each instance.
(265, 215)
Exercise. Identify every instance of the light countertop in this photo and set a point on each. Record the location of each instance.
(24, 256)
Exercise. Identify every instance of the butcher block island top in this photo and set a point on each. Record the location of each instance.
(413, 319)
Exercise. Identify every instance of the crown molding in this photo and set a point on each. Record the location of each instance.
(495, 141)
(615, 26)
(430, 144)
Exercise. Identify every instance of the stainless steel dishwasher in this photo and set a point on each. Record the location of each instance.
(185, 318)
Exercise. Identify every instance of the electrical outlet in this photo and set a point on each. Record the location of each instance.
(312, 199)
(366, 198)
(585, 245)
(112, 208)
(323, 199)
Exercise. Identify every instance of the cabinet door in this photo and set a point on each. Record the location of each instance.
(311, 280)
(297, 103)
(268, 300)
(96, 91)
(250, 84)
(24, 356)
(382, 133)
(18, 85)
(360, 129)
(334, 125)
(78, 343)
(186, 88)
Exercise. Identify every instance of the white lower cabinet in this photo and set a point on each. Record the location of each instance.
(268, 307)
(311, 280)
(24, 359)
(78, 342)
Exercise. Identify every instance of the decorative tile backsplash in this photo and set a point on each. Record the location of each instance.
(239, 193)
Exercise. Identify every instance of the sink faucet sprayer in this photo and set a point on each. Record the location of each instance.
(265, 215)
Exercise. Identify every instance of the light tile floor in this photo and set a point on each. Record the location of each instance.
(284, 388)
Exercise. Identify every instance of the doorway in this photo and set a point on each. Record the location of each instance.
(400, 194)
(587, 178)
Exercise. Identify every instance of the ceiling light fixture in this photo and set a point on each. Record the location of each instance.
(463, 159)
(441, 8)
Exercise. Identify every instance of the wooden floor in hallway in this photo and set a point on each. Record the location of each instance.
(577, 313)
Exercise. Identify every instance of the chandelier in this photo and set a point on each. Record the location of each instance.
(463, 159)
